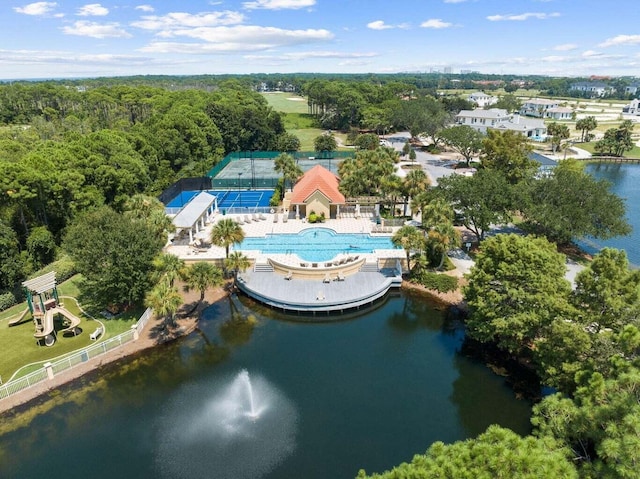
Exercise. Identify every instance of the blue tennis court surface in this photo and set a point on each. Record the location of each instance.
(227, 198)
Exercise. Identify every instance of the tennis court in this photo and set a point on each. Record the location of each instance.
(227, 198)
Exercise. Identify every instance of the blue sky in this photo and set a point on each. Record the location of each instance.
(71, 38)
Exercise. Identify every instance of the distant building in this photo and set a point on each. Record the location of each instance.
(632, 89)
(482, 99)
(537, 107)
(632, 108)
(499, 119)
(596, 89)
(559, 113)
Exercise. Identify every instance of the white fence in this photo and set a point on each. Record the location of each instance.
(49, 370)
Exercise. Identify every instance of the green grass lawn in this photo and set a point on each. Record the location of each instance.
(298, 121)
(279, 101)
(590, 147)
(19, 347)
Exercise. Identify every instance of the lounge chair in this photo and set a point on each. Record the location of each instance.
(320, 296)
(254, 217)
(314, 265)
(328, 265)
(303, 265)
(262, 217)
(289, 276)
(285, 217)
(275, 218)
(247, 219)
(339, 276)
(239, 220)
(327, 278)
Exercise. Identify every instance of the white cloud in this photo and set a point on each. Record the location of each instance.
(181, 20)
(53, 56)
(236, 38)
(621, 40)
(522, 16)
(96, 30)
(565, 47)
(591, 53)
(145, 8)
(378, 25)
(92, 10)
(435, 23)
(278, 4)
(297, 56)
(38, 8)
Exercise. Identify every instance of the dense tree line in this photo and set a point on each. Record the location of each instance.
(66, 151)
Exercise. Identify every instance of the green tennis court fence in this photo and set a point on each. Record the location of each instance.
(270, 155)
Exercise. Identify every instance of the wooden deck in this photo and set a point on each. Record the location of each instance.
(316, 296)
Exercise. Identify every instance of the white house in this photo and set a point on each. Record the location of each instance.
(595, 88)
(632, 108)
(482, 99)
(482, 119)
(559, 113)
(538, 107)
(632, 89)
(498, 119)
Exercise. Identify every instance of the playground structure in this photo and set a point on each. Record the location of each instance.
(45, 307)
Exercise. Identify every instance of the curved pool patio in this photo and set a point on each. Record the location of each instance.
(293, 284)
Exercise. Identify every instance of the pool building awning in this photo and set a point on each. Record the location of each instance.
(194, 214)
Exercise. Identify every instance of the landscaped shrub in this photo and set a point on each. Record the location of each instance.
(64, 268)
(7, 300)
(440, 282)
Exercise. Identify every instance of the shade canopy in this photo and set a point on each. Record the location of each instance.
(195, 209)
(41, 284)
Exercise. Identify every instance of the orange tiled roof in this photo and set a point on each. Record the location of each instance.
(317, 178)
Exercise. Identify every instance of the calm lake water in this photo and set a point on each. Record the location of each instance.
(625, 181)
(317, 400)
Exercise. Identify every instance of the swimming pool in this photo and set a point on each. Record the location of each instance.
(317, 244)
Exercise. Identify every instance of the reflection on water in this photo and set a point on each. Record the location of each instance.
(331, 398)
(624, 179)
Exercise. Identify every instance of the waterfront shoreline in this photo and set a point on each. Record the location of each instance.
(186, 322)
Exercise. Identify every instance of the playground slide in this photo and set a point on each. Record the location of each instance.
(75, 321)
(20, 318)
(47, 325)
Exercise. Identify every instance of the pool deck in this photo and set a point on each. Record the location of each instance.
(304, 295)
(313, 296)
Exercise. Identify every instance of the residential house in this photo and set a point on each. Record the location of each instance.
(559, 113)
(481, 120)
(499, 119)
(482, 100)
(632, 89)
(596, 89)
(538, 107)
(317, 191)
(632, 108)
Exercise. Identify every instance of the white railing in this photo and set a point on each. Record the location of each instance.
(49, 370)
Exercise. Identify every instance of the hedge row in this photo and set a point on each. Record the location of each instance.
(440, 282)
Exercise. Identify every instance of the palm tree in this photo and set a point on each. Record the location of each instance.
(419, 202)
(225, 233)
(414, 183)
(165, 300)
(435, 212)
(237, 262)
(285, 164)
(409, 238)
(202, 276)
(169, 266)
(441, 238)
